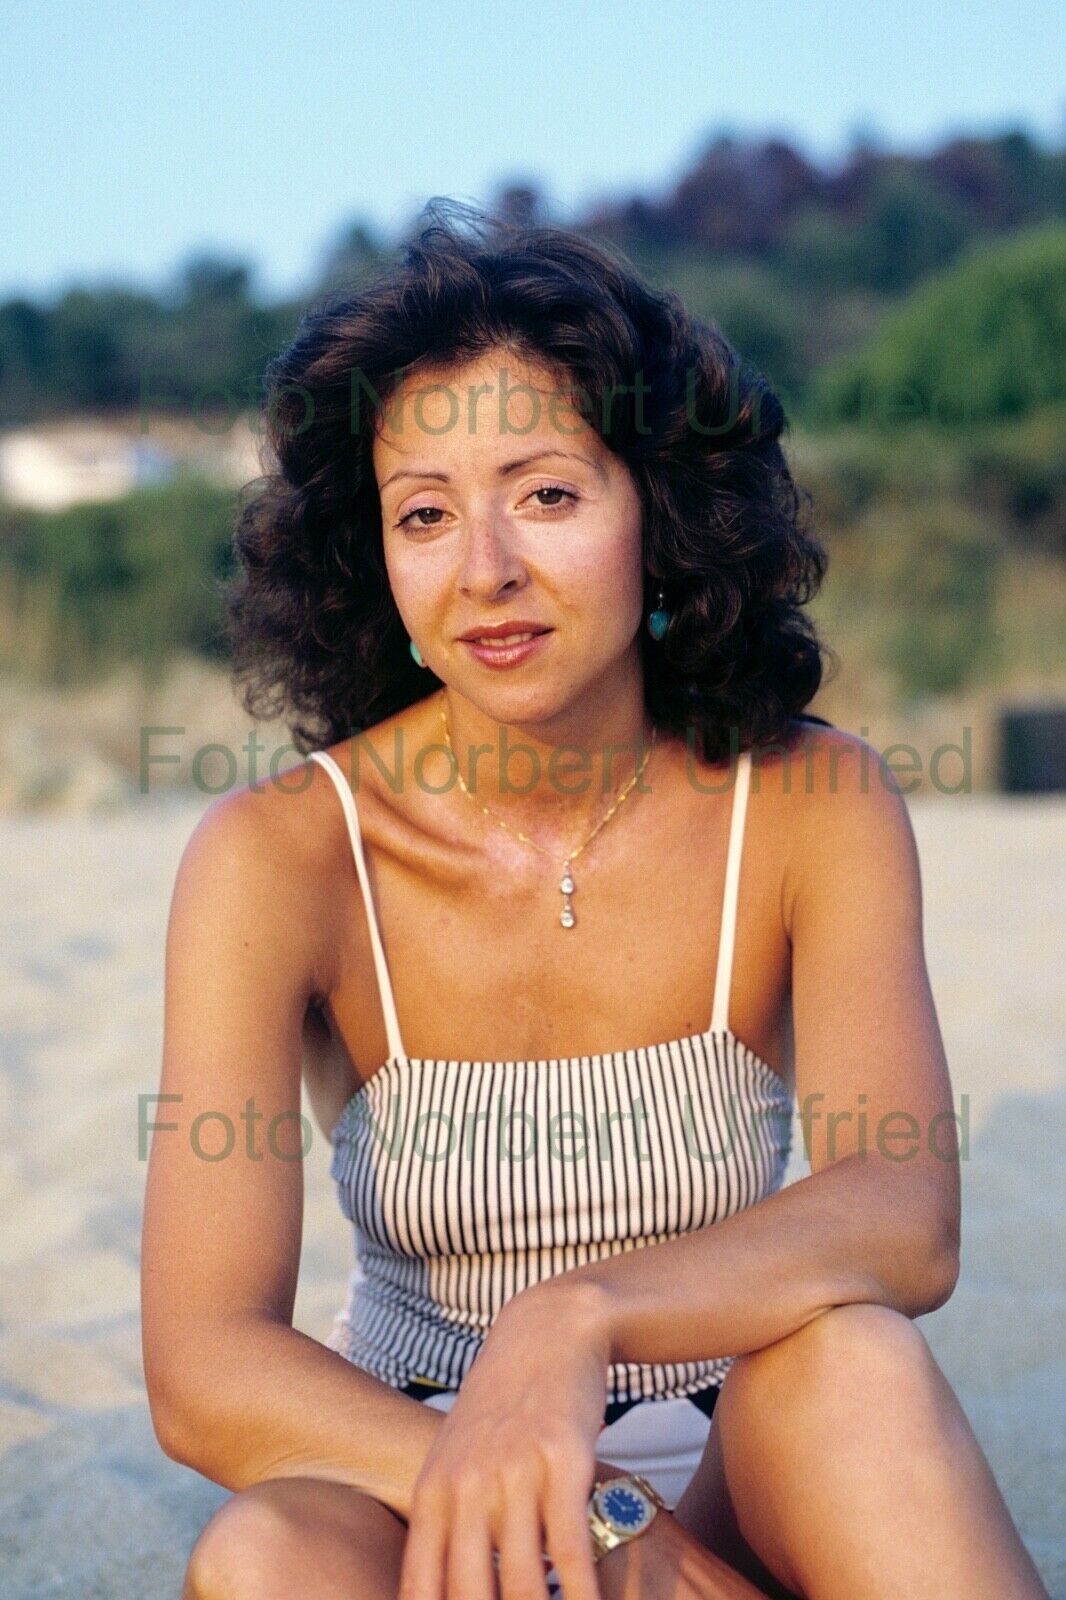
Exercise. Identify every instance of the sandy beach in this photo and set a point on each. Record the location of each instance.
(90, 1506)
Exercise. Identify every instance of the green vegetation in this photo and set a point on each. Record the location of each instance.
(985, 340)
(911, 311)
(201, 347)
(132, 580)
(947, 567)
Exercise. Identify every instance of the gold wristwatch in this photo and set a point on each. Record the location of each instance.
(620, 1509)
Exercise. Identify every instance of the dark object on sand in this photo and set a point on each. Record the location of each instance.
(1033, 749)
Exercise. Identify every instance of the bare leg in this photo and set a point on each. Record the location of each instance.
(300, 1537)
(841, 1463)
(314, 1540)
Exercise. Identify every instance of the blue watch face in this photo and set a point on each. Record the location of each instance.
(626, 1509)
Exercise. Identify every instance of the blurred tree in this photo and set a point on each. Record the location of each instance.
(1036, 179)
(907, 232)
(26, 357)
(749, 304)
(910, 231)
(207, 351)
(356, 254)
(521, 203)
(739, 195)
(89, 364)
(865, 138)
(822, 250)
(986, 339)
(209, 279)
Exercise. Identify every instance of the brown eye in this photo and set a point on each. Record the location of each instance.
(554, 489)
(422, 511)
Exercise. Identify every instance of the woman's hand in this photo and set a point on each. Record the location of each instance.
(668, 1563)
(512, 1466)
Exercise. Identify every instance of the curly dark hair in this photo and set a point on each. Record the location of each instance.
(315, 634)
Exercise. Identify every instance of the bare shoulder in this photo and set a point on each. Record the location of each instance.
(843, 813)
(263, 860)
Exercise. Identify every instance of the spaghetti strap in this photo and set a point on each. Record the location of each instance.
(727, 937)
(388, 1003)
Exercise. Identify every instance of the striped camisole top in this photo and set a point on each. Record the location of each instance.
(467, 1181)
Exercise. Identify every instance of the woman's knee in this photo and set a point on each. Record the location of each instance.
(240, 1545)
(872, 1343)
(858, 1346)
(249, 1545)
(266, 1539)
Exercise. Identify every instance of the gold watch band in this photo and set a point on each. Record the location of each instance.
(604, 1537)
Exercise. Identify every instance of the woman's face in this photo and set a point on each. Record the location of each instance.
(500, 504)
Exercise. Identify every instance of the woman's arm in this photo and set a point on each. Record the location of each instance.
(235, 1392)
(869, 1056)
(275, 1403)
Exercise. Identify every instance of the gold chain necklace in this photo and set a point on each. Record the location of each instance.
(566, 882)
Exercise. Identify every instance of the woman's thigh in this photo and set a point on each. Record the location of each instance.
(297, 1536)
(811, 1439)
(706, 1510)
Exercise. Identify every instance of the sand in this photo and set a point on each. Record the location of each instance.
(90, 1506)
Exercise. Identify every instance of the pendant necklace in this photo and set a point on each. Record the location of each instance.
(567, 885)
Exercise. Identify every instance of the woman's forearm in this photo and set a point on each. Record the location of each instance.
(274, 1402)
(268, 1401)
(855, 1231)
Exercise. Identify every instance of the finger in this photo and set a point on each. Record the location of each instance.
(469, 1566)
(523, 1568)
(425, 1546)
(569, 1539)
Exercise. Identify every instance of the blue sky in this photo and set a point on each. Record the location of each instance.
(139, 131)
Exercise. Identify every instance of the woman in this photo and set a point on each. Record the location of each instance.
(577, 1260)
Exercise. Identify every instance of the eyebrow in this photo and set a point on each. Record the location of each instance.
(504, 471)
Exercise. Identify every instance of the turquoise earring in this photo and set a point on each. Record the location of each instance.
(416, 652)
(659, 618)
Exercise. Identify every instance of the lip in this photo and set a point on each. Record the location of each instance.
(498, 630)
(505, 656)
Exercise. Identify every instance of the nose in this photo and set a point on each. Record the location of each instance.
(491, 562)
